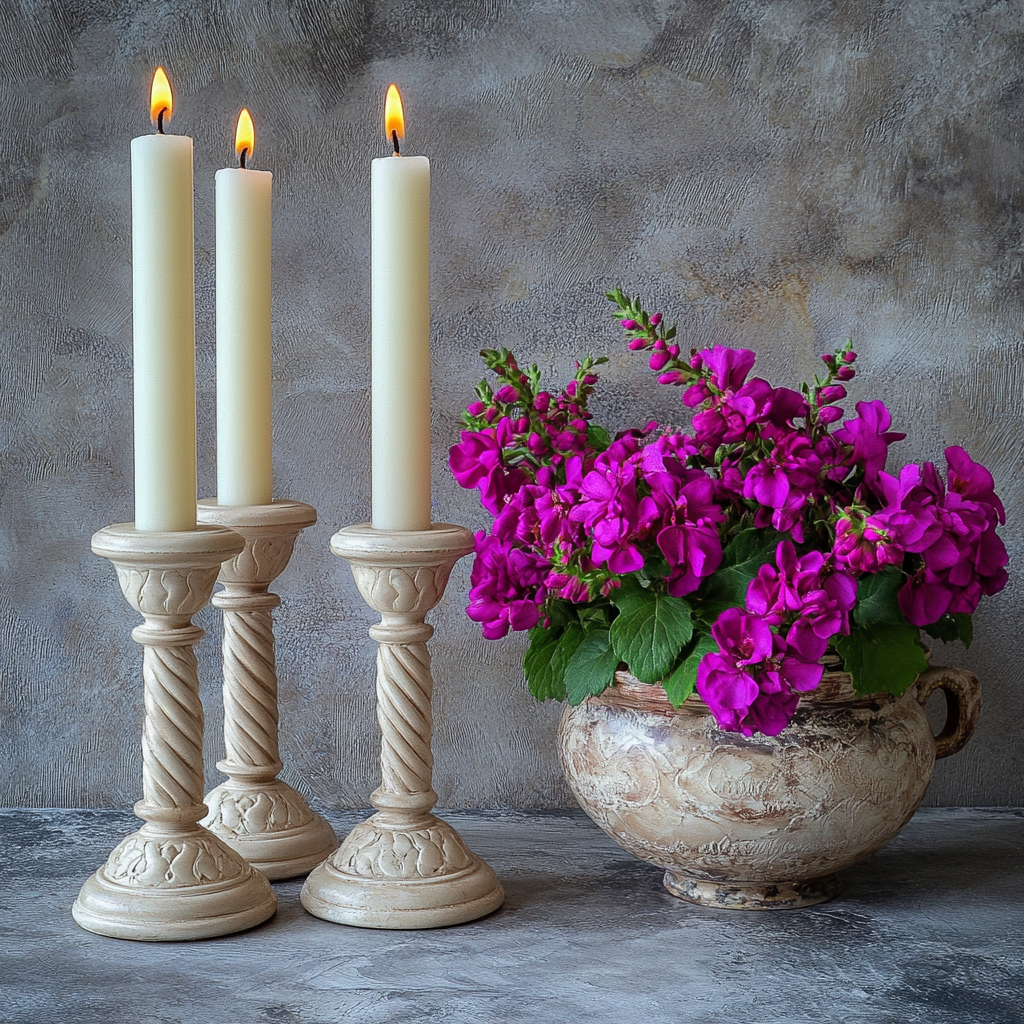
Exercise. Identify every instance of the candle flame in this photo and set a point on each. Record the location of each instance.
(245, 134)
(394, 116)
(160, 97)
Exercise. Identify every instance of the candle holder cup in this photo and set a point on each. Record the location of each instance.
(172, 879)
(260, 817)
(403, 867)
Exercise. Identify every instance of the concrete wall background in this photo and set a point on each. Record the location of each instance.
(781, 175)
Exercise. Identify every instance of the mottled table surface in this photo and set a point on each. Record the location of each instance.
(930, 929)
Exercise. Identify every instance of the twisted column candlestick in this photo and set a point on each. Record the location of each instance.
(255, 813)
(404, 867)
(172, 879)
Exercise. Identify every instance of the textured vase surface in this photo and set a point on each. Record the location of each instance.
(758, 822)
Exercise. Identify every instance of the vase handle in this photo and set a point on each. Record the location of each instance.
(963, 703)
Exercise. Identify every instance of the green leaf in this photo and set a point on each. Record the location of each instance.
(598, 437)
(956, 626)
(876, 598)
(650, 631)
(591, 669)
(546, 658)
(883, 658)
(741, 560)
(595, 615)
(945, 630)
(965, 626)
(680, 684)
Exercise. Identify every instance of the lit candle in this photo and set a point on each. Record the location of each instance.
(244, 475)
(164, 323)
(400, 356)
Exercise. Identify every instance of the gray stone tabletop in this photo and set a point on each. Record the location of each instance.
(930, 929)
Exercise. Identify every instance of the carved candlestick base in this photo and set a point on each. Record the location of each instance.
(255, 813)
(404, 867)
(172, 879)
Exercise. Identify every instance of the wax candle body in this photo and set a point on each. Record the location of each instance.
(244, 473)
(164, 325)
(400, 357)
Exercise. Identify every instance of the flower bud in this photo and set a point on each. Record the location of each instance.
(491, 415)
(637, 343)
(656, 319)
(658, 360)
(476, 408)
(673, 351)
(849, 357)
(589, 380)
(522, 425)
(507, 394)
(846, 373)
(672, 377)
(696, 362)
(535, 443)
(694, 395)
(578, 424)
(830, 414)
(629, 325)
(833, 393)
(570, 388)
(542, 402)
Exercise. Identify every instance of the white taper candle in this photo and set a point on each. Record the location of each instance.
(400, 356)
(164, 324)
(244, 461)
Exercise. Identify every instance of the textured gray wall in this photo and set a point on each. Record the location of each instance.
(779, 175)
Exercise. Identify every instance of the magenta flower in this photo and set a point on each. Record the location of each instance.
(972, 480)
(507, 587)
(864, 545)
(870, 437)
(961, 556)
(753, 682)
(729, 366)
(612, 511)
(477, 462)
(809, 594)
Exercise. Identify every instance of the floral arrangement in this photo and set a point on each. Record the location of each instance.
(729, 559)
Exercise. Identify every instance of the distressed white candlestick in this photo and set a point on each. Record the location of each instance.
(255, 813)
(172, 879)
(404, 867)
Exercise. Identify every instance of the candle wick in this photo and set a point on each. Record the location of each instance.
(160, 120)
(394, 140)
(241, 157)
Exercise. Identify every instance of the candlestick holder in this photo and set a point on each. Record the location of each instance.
(254, 812)
(404, 867)
(172, 879)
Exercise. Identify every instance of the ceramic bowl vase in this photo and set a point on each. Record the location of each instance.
(759, 823)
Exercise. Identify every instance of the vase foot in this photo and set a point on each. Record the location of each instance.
(389, 876)
(271, 826)
(169, 888)
(752, 895)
